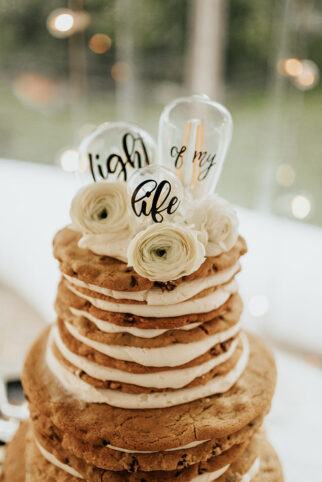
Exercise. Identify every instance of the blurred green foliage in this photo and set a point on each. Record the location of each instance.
(160, 31)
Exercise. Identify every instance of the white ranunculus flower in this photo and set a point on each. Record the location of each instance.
(102, 208)
(219, 220)
(165, 252)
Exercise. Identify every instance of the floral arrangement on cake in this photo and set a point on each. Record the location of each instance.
(163, 219)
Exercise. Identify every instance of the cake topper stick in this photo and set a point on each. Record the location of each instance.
(114, 150)
(194, 135)
(190, 141)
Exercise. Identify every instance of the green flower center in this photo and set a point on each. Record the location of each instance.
(102, 214)
(160, 252)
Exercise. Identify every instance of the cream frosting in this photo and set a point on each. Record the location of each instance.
(108, 327)
(158, 296)
(210, 476)
(88, 393)
(171, 355)
(166, 379)
(252, 471)
(200, 305)
(53, 460)
(205, 477)
(103, 245)
(183, 447)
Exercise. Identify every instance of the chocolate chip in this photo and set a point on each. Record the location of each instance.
(201, 470)
(134, 465)
(128, 318)
(133, 281)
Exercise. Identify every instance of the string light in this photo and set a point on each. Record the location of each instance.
(100, 43)
(69, 160)
(121, 72)
(258, 305)
(285, 175)
(300, 206)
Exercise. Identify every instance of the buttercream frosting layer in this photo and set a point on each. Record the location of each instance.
(108, 327)
(90, 394)
(205, 304)
(160, 380)
(158, 296)
(205, 477)
(166, 356)
(53, 460)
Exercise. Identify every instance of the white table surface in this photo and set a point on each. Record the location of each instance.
(284, 263)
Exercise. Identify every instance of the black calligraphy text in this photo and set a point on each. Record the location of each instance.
(135, 156)
(161, 200)
(205, 160)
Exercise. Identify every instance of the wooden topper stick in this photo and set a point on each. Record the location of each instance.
(184, 143)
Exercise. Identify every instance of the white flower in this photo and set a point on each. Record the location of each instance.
(165, 252)
(219, 220)
(102, 208)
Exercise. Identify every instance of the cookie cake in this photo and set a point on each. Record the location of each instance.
(147, 373)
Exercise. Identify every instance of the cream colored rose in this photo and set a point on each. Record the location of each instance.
(219, 220)
(165, 252)
(102, 208)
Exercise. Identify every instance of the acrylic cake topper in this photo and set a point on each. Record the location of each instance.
(114, 150)
(156, 193)
(194, 135)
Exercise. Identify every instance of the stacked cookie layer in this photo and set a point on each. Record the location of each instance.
(147, 348)
(142, 381)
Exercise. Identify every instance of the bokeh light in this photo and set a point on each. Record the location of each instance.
(100, 43)
(308, 77)
(292, 67)
(60, 22)
(64, 22)
(35, 89)
(258, 305)
(285, 175)
(121, 72)
(69, 160)
(300, 206)
(304, 74)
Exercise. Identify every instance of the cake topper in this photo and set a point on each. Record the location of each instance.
(114, 149)
(156, 193)
(194, 135)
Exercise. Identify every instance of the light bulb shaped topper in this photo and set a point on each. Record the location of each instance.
(156, 194)
(114, 150)
(194, 135)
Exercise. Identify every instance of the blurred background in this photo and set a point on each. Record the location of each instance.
(67, 66)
